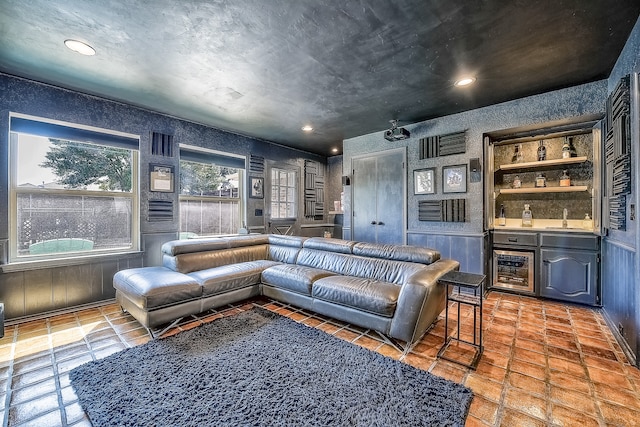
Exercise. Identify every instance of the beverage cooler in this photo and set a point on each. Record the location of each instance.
(513, 270)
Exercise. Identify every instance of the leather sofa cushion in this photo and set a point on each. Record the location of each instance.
(330, 245)
(197, 261)
(396, 252)
(229, 277)
(153, 287)
(296, 278)
(177, 247)
(369, 295)
(382, 270)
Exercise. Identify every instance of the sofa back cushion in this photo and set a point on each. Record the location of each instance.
(358, 266)
(397, 252)
(285, 248)
(177, 247)
(195, 261)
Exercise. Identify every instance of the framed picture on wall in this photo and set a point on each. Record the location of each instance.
(424, 181)
(257, 187)
(161, 178)
(454, 179)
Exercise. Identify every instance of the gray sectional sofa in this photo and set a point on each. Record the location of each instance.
(388, 288)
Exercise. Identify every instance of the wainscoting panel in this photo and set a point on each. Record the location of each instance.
(619, 294)
(469, 251)
(37, 291)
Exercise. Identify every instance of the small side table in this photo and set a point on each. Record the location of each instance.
(469, 281)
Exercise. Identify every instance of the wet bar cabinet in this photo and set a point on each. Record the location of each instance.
(554, 169)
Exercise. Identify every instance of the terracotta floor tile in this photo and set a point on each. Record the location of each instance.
(389, 351)
(512, 417)
(563, 353)
(569, 417)
(598, 352)
(617, 395)
(448, 370)
(328, 328)
(490, 371)
(608, 377)
(495, 358)
(619, 415)
(346, 335)
(528, 384)
(530, 356)
(567, 366)
(537, 346)
(484, 409)
(571, 382)
(34, 408)
(529, 369)
(417, 361)
(533, 370)
(607, 364)
(529, 404)
(488, 389)
(581, 402)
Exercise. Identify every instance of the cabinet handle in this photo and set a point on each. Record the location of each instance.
(513, 239)
(373, 223)
(545, 261)
(380, 223)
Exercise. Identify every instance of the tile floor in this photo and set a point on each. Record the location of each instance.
(545, 363)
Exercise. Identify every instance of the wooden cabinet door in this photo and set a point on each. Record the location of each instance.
(569, 275)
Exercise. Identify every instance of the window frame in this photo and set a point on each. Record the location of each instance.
(66, 258)
(214, 154)
(273, 184)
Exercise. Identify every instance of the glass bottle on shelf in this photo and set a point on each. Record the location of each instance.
(516, 182)
(502, 219)
(566, 147)
(527, 217)
(541, 180)
(572, 149)
(565, 181)
(517, 154)
(587, 222)
(542, 151)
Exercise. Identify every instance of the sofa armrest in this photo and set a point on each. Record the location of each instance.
(421, 300)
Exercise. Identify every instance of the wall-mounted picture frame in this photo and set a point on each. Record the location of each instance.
(424, 181)
(454, 179)
(161, 178)
(257, 187)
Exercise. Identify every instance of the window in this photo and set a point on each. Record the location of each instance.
(210, 192)
(72, 190)
(283, 193)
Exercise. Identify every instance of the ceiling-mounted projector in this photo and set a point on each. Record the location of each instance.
(396, 133)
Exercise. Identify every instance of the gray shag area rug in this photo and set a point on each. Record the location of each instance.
(258, 368)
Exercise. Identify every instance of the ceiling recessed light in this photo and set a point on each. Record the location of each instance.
(80, 47)
(465, 81)
(307, 128)
(334, 150)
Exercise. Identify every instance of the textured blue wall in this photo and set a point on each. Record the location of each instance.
(466, 241)
(620, 259)
(45, 289)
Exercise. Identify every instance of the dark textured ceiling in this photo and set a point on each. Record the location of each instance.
(265, 68)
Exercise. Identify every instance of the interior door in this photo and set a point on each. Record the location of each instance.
(379, 201)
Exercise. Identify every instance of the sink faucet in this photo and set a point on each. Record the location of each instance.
(564, 218)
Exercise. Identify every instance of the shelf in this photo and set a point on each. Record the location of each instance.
(532, 190)
(541, 164)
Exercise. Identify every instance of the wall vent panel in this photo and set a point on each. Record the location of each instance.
(443, 145)
(160, 210)
(161, 144)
